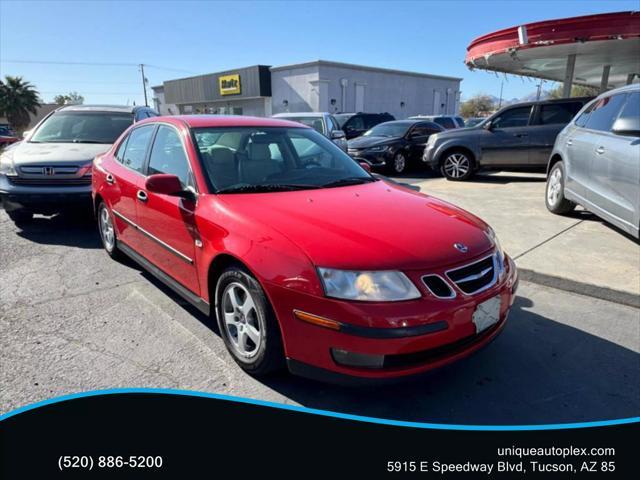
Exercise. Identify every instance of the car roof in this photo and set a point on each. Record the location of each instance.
(100, 108)
(634, 87)
(203, 121)
(409, 121)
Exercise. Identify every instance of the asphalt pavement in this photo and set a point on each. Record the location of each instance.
(72, 320)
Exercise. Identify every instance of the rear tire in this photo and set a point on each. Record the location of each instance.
(248, 326)
(398, 165)
(554, 193)
(457, 166)
(106, 227)
(20, 217)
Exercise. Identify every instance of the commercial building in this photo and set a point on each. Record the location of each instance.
(318, 86)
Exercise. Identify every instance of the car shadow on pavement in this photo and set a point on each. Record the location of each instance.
(537, 371)
(534, 177)
(62, 229)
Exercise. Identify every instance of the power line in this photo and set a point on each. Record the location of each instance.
(94, 64)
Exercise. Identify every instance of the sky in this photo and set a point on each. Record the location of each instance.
(183, 38)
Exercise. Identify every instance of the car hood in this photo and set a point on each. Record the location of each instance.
(371, 226)
(460, 133)
(36, 153)
(366, 142)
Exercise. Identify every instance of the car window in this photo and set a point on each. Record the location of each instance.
(581, 121)
(120, 151)
(333, 124)
(558, 113)
(372, 120)
(136, 148)
(82, 127)
(342, 119)
(631, 108)
(514, 117)
(459, 121)
(356, 123)
(605, 111)
(446, 122)
(168, 156)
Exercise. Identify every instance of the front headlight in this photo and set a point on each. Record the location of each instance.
(6, 163)
(432, 139)
(375, 286)
(379, 148)
(499, 252)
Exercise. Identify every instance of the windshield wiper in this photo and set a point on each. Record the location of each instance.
(343, 182)
(89, 141)
(266, 187)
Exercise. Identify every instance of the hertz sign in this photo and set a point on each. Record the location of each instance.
(229, 84)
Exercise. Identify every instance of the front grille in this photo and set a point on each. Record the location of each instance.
(438, 286)
(50, 181)
(475, 277)
(49, 170)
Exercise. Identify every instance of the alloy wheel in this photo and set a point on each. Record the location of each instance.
(554, 186)
(457, 165)
(241, 320)
(106, 229)
(399, 163)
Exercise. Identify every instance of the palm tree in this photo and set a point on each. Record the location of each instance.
(18, 99)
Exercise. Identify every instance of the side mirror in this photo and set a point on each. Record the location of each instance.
(366, 166)
(166, 184)
(338, 135)
(629, 126)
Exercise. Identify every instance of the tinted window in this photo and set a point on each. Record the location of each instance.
(604, 112)
(342, 119)
(120, 151)
(446, 122)
(426, 129)
(82, 127)
(558, 113)
(313, 122)
(167, 155)
(333, 124)
(514, 117)
(357, 123)
(373, 120)
(581, 121)
(459, 121)
(631, 109)
(136, 148)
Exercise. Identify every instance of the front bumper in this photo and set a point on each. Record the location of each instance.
(375, 159)
(429, 156)
(309, 347)
(42, 198)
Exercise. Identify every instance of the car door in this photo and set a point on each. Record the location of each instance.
(124, 177)
(549, 120)
(417, 138)
(507, 141)
(615, 158)
(167, 221)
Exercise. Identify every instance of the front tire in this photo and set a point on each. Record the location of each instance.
(457, 166)
(398, 164)
(247, 323)
(108, 232)
(554, 194)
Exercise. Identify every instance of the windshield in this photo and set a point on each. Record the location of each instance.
(264, 159)
(313, 122)
(342, 118)
(388, 129)
(82, 127)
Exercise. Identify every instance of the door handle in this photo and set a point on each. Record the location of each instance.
(569, 142)
(600, 150)
(110, 179)
(142, 195)
(520, 135)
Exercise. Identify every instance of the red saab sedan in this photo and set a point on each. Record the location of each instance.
(304, 258)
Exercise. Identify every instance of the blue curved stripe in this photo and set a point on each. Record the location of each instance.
(315, 411)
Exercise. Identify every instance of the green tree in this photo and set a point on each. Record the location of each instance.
(18, 99)
(476, 106)
(576, 91)
(71, 98)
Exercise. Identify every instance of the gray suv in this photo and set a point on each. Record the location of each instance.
(596, 161)
(517, 137)
(50, 170)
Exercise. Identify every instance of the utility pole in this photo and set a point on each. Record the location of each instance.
(144, 85)
(500, 101)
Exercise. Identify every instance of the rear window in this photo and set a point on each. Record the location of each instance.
(605, 111)
(558, 113)
(82, 127)
(446, 122)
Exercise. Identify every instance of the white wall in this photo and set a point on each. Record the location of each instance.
(298, 86)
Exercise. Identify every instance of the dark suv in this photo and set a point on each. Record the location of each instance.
(355, 124)
(517, 137)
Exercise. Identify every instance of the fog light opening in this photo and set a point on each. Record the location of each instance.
(352, 359)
